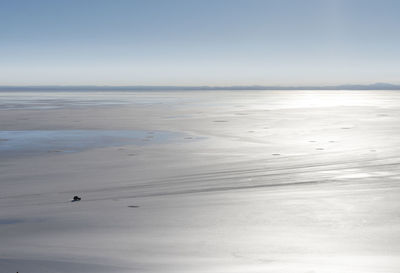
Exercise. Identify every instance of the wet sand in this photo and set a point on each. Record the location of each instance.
(299, 181)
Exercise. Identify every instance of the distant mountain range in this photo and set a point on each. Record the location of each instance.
(375, 86)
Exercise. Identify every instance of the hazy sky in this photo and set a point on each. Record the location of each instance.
(215, 42)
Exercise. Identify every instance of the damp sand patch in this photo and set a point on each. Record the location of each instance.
(33, 142)
(15, 221)
(10, 221)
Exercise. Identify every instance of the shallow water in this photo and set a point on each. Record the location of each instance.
(56, 100)
(39, 141)
(281, 182)
(249, 99)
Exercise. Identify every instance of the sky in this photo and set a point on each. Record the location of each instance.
(203, 42)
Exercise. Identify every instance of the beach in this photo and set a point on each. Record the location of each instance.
(200, 181)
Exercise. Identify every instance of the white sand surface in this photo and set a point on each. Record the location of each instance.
(266, 181)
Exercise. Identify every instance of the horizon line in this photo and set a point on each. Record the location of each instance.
(374, 86)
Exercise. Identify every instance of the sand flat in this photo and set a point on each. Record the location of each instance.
(221, 200)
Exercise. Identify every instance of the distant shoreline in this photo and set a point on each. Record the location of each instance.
(377, 86)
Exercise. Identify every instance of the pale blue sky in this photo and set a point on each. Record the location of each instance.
(215, 42)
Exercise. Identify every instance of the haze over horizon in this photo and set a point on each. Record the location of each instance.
(194, 43)
(374, 86)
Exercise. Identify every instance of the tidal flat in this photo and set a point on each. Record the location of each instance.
(200, 181)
